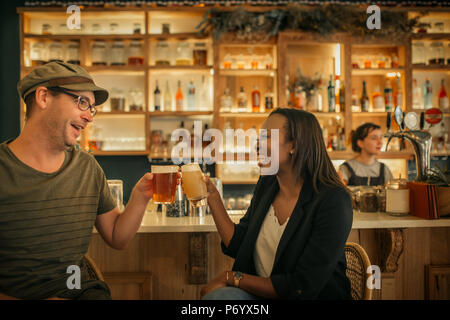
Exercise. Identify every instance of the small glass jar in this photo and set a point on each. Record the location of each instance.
(73, 52)
(37, 55)
(56, 51)
(113, 28)
(184, 54)
(63, 29)
(96, 28)
(136, 54)
(118, 53)
(136, 28)
(418, 53)
(368, 199)
(381, 196)
(47, 29)
(200, 54)
(355, 196)
(162, 54)
(165, 28)
(437, 55)
(136, 100)
(117, 100)
(397, 197)
(98, 53)
(438, 27)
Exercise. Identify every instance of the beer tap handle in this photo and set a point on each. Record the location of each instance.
(403, 122)
(389, 121)
(422, 120)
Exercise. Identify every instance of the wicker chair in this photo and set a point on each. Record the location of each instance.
(94, 272)
(357, 264)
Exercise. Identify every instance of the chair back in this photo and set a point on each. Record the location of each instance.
(357, 264)
(92, 269)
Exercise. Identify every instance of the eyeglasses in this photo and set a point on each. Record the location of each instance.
(82, 102)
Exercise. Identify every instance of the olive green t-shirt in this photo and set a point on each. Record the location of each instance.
(46, 222)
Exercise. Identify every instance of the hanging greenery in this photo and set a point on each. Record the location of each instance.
(324, 20)
(309, 85)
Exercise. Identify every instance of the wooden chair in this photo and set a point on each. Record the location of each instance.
(357, 264)
(92, 269)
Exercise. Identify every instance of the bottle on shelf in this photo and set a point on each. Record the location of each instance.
(398, 93)
(364, 101)
(242, 101)
(179, 98)
(388, 97)
(443, 97)
(317, 101)
(167, 98)
(157, 97)
(288, 93)
(256, 99)
(417, 96)
(299, 98)
(268, 100)
(203, 98)
(226, 101)
(331, 96)
(191, 95)
(427, 94)
(378, 100)
(356, 107)
(341, 96)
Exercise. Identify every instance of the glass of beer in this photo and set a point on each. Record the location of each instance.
(164, 183)
(193, 185)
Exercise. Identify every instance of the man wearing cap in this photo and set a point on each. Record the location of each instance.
(52, 193)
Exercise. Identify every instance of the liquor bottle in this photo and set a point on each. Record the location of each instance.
(356, 107)
(398, 93)
(331, 96)
(443, 98)
(204, 101)
(226, 101)
(299, 97)
(342, 96)
(288, 93)
(378, 100)
(191, 95)
(427, 94)
(167, 98)
(268, 100)
(179, 98)
(256, 99)
(388, 97)
(417, 96)
(242, 101)
(364, 101)
(157, 97)
(317, 100)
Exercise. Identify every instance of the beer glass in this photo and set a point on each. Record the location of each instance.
(164, 183)
(193, 184)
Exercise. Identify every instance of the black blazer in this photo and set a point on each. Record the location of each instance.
(310, 260)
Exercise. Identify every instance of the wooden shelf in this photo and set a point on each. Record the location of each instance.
(179, 113)
(370, 114)
(120, 153)
(248, 72)
(120, 113)
(376, 71)
(177, 36)
(243, 114)
(114, 69)
(431, 36)
(432, 68)
(85, 36)
(180, 68)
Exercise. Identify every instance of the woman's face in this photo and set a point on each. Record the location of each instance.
(372, 143)
(274, 122)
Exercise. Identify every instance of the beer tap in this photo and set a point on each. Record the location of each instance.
(420, 140)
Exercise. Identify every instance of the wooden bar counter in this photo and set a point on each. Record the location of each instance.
(172, 258)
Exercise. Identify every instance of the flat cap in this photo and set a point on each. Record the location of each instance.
(63, 75)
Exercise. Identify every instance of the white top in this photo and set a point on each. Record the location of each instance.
(267, 243)
(364, 170)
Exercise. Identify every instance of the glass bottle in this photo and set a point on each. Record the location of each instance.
(418, 53)
(55, 51)
(157, 97)
(427, 94)
(398, 93)
(191, 104)
(200, 54)
(256, 99)
(443, 97)
(37, 54)
(179, 98)
(388, 97)
(299, 97)
(378, 100)
(167, 98)
(204, 100)
(364, 99)
(136, 54)
(118, 53)
(113, 28)
(47, 29)
(317, 100)
(437, 53)
(356, 107)
(184, 54)
(98, 53)
(242, 100)
(268, 100)
(226, 101)
(136, 99)
(331, 96)
(162, 54)
(341, 96)
(117, 100)
(73, 52)
(417, 96)
(227, 61)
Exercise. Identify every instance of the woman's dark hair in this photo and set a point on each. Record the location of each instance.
(361, 133)
(310, 155)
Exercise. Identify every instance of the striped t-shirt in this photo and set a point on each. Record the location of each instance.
(46, 222)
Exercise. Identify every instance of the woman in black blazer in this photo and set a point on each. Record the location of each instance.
(290, 243)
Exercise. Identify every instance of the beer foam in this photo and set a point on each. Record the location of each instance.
(164, 169)
(190, 167)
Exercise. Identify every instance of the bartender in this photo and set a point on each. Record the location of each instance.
(365, 169)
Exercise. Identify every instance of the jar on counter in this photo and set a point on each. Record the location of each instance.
(368, 199)
(381, 195)
(184, 54)
(73, 52)
(55, 51)
(136, 54)
(162, 54)
(98, 53)
(117, 100)
(437, 55)
(200, 54)
(355, 196)
(118, 53)
(397, 197)
(37, 55)
(418, 53)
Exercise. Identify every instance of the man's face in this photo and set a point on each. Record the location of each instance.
(64, 120)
